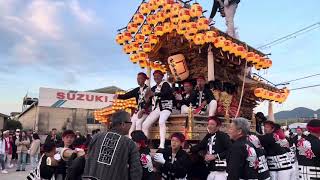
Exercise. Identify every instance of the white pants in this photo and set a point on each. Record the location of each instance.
(136, 122)
(230, 11)
(281, 175)
(217, 175)
(295, 171)
(152, 118)
(211, 108)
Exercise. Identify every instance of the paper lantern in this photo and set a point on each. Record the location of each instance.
(158, 30)
(227, 46)
(167, 8)
(174, 19)
(132, 27)
(258, 92)
(261, 63)
(153, 39)
(138, 19)
(189, 37)
(196, 10)
(160, 3)
(219, 42)
(144, 8)
(127, 36)
(152, 6)
(184, 14)
(142, 56)
(175, 9)
(203, 23)
(127, 48)
(241, 52)
(210, 36)
(250, 57)
(270, 96)
(135, 46)
(191, 28)
(182, 28)
(160, 16)
(152, 19)
(134, 58)
(156, 65)
(199, 39)
(268, 63)
(139, 38)
(143, 64)
(147, 47)
(256, 58)
(277, 97)
(146, 29)
(120, 39)
(178, 67)
(167, 27)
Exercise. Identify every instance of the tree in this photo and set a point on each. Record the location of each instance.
(13, 125)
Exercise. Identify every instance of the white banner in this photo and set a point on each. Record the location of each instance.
(49, 97)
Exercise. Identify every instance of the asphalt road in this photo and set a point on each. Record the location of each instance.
(13, 175)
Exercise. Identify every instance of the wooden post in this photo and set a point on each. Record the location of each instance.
(210, 64)
(149, 76)
(270, 112)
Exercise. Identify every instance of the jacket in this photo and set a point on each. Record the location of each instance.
(188, 98)
(35, 147)
(180, 166)
(146, 163)
(242, 160)
(218, 144)
(113, 156)
(163, 96)
(207, 96)
(22, 146)
(138, 95)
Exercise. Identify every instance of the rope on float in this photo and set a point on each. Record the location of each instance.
(242, 90)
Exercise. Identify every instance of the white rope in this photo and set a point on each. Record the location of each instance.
(242, 90)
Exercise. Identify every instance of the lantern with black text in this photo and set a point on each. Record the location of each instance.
(120, 39)
(146, 29)
(203, 23)
(196, 10)
(178, 67)
(138, 19)
(132, 27)
(144, 8)
(199, 39)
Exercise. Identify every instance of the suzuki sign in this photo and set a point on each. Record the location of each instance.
(73, 99)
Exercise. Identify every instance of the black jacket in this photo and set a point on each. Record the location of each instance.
(207, 95)
(294, 139)
(145, 157)
(163, 98)
(220, 146)
(188, 98)
(217, 5)
(242, 160)
(179, 168)
(136, 94)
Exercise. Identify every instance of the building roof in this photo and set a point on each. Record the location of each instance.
(4, 115)
(26, 110)
(108, 89)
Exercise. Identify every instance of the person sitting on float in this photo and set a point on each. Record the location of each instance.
(205, 101)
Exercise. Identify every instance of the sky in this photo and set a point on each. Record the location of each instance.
(71, 45)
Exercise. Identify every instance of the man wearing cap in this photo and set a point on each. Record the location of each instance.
(112, 155)
(161, 97)
(139, 93)
(205, 102)
(174, 162)
(308, 152)
(187, 98)
(242, 158)
(145, 158)
(216, 145)
(276, 147)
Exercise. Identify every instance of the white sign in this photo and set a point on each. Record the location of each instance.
(73, 99)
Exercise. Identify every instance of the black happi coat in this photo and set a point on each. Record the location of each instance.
(163, 98)
(180, 166)
(136, 94)
(242, 160)
(263, 165)
(308, 155)
(188, 99)
(276, 152)
(207, 95)
(148, 172)
(220, 144)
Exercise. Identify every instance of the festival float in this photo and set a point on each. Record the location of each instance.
(177, 39)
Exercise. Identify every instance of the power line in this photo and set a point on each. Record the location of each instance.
(306, 77)
(291, 36)
(305, 87)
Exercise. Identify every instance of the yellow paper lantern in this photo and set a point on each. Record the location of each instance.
(143, 63)
(153, 39)
(146, 29)
(127, 48)
(241, 52)
(203, 23)
(134, 58)
(152, 19)
(138, 19)
(160, 17)
(268, 63)
(175, 9)
(189, 37)
(144, 8)
(210, 36)
(227, 46)
(160, 3)
(184, 14)
(196, 10)
(135, 46)
(140, 38)
(178, 67)
(152, 6)
(147, 47)
(219, 41)
(167, 8)
(132, 27)
(250, 57)
(199, 39)
(182, 28)
(256, 58)
(167, 27)
(127, 36)
(158, 30)
(258, 92)
(120, 39)
(191, 28)
(174, 19)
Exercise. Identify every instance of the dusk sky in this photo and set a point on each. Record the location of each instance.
(70, 45)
